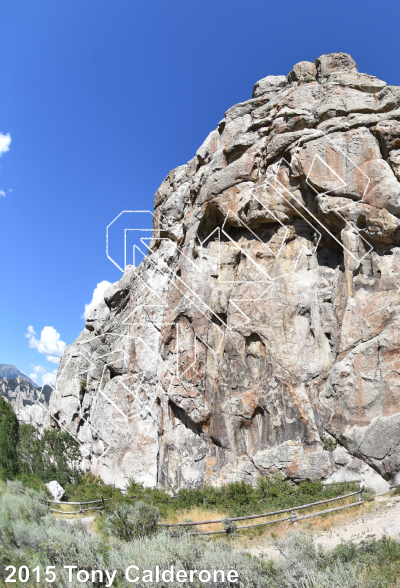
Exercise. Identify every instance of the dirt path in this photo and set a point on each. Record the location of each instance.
(382, 519)
(378, 518)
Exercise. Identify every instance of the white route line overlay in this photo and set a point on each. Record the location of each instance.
(61, 426)
(355, 166)
(198, 267)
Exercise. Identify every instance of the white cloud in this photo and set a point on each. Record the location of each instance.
(38, 369)
(98, 296)
(5, 141)
(2, 193)
(53, 358)
(33, 377)
(49, 378)
(31, 331)
(49, 343)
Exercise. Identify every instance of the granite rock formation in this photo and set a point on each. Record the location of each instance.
(11, 372)
(29, 402)
(264, 320)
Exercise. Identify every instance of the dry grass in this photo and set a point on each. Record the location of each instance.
(71, 509)
(198, 514)
(321, 521)
(317, 523)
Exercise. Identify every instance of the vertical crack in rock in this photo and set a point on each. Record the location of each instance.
(262, 327)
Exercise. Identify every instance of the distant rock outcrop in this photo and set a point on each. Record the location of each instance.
(11, 372)
(263, 325)
(29, 402)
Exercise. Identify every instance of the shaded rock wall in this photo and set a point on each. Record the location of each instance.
(266, 315)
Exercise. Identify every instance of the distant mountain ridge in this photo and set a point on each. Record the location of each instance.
(12, 388)
(11, 372)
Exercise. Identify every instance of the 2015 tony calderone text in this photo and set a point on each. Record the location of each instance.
(133, 574)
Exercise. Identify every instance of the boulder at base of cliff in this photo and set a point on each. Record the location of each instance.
(57, 491)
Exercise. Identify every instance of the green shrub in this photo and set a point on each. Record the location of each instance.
(28, 446)
(271, 492)
(328, 443)
(57, 457)
(188, 553)
(29, 535)
(53, 456)
(33, 481)
(304, 565)
(90, 487)
(128, 522)
(378, 560)
(17, 508)
(368, 494)
(9, 437)
(229, 526)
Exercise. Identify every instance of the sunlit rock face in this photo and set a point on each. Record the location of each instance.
(29, 402)
(265, 318)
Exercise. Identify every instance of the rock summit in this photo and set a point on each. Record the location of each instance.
(261, 332)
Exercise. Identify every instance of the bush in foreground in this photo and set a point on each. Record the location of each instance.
(30, 536)
(128, 522)
(368, 494)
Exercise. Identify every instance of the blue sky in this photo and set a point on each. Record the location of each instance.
(101, 99)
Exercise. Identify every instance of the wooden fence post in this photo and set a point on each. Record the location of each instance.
(360, 493)
(102, 502)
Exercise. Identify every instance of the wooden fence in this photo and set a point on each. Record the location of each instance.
(101, 502)
(293, 517)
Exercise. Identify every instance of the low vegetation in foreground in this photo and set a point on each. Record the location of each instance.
(30, 536)
(37, 460)
(127, 532)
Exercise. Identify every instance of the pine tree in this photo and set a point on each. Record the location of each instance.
(9, 436)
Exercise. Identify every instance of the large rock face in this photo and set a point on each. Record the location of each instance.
(265, 318)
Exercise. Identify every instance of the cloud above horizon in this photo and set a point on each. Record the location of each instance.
(49, 343)
(5, 141)
(49, 378)
(97, 298)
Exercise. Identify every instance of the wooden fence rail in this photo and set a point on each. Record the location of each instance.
(293, 517)
(75, 512)
(74, 503)
(101, 501)
(259, 516)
